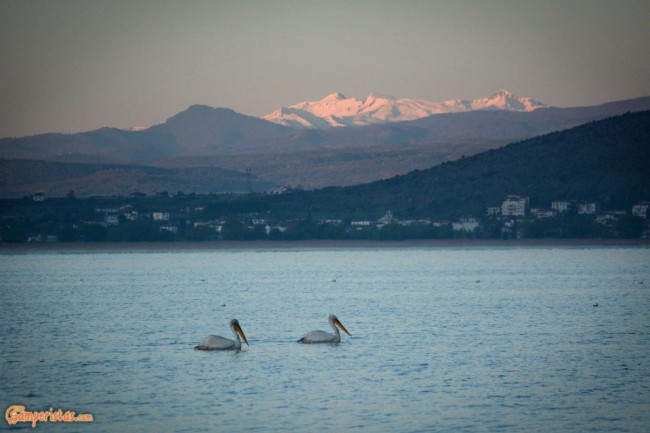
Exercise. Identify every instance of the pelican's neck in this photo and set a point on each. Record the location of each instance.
(237, 339)
(336, 331)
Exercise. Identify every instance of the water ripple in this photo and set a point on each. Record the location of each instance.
(112, 334)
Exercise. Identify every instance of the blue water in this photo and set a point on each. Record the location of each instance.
(443, 339)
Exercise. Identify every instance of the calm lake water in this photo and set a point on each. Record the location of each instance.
(452, 339)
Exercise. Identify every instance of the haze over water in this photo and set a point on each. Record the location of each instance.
(479, 339)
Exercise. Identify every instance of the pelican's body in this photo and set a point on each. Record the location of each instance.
(216, 342)
(326, 337)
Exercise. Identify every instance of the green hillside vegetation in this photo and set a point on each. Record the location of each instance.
(606, 161)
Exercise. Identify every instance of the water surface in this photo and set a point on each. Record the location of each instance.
(479, 339)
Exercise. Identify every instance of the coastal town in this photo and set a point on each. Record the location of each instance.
(131, 220)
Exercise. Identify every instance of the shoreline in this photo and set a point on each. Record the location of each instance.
(318, 244)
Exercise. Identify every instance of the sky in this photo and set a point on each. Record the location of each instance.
(77, 65)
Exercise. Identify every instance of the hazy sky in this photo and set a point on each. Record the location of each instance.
(77, 65)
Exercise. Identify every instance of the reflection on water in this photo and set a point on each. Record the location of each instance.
(450, 339)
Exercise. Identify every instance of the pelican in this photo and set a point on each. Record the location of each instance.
(326, 337)
(215, 342)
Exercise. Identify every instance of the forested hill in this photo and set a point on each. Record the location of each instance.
(606, 161)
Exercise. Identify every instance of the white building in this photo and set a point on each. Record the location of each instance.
(107, 210)
(421, 222)
(112, 219)
(332, 221)
(588, 208)
(131, 216)
(607, 219)
(465, 225)
(561, 206)
(543, 213)
(388, 218)
(515, 205)
(641, 209)
(279, 190)
(161, 216)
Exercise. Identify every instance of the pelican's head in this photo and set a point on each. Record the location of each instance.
(234, 324)
(335, 320)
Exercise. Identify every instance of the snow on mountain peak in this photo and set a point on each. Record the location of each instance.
(504, 92)
(506, 100)
(336, 109)
(336, 95)
(375, 95)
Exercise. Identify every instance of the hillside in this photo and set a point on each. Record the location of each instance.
(605, 161)
(314, 168)
(220, 139)
(202, 130)
(20, 178)
(101, 145)
(198, 131)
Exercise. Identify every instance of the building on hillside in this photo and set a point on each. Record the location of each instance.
(285, 225)
(422, 222)
(279, 190)
(515, 205)
(543, 213)
(608, 219)
(590, 208)
(465, 225)
(107, 210)
(112, 219)
(161, 216)
(641, 209)
(131, 216)
(562, 206)
(388, 218)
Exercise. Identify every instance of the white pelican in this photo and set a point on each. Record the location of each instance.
(326, 337)
(215, 342)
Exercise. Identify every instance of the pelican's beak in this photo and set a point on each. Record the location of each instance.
(241, 334)
(340, 325)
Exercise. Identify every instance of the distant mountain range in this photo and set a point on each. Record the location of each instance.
(240, 153)
(336, 110)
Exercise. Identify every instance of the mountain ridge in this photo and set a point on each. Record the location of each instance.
(203, 129)
(337, 110)
(220, 138)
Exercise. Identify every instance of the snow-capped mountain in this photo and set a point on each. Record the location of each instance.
(337, 110)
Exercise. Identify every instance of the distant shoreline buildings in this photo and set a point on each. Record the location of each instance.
(512, 219)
